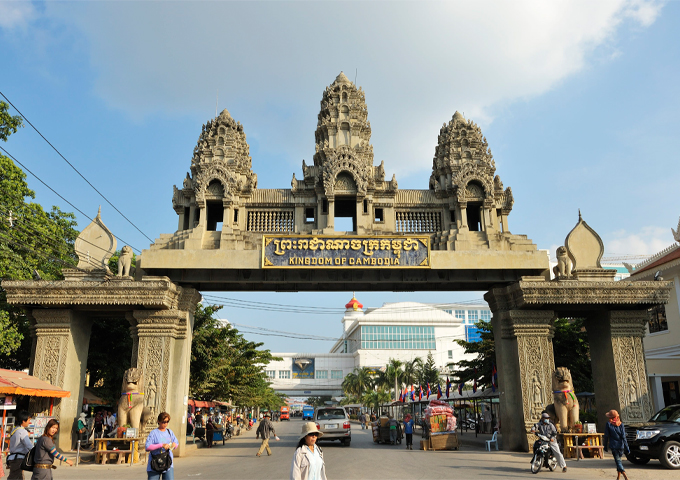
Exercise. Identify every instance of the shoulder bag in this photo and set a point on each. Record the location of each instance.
(27, 463)
(162, 461)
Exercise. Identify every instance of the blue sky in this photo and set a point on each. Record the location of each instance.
(578, 101)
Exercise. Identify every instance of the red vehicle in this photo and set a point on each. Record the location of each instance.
(285, 413)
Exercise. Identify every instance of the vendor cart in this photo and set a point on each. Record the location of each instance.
(381, 433)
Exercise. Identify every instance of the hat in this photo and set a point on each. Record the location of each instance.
(309, 427)
(545, 415)
(83, 415)
(611, 414)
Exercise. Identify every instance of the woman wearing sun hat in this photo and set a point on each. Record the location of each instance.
(615, 438)
(308, 461)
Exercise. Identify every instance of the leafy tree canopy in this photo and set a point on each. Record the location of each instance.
(224, 365)
(35, 241)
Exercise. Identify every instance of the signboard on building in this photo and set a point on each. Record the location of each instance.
(303, 368)
(333, 251)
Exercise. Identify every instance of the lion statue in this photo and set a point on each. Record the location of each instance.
(563, 267)
(564, 412)
(124, 261)
(131, 408)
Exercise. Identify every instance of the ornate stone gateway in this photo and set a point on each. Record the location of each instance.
(452, 236)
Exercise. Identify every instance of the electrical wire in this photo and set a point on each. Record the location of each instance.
(74, 168)
(59, 195)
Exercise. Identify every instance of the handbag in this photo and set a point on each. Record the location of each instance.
(162, 461)
(27, 463)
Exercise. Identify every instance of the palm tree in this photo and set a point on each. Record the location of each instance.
(394, 374)
(376, 398)
(364, 380)
(350, 385)
(411, 370)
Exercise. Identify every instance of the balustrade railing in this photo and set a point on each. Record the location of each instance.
(419, 221)
(271, 222)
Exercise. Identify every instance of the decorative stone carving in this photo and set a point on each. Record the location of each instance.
(94, 246)
(585, 249)
(125, 261)
(565, 409)
(563, 267)
(131, 409)
(676, 233)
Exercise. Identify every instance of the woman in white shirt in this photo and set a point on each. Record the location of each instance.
(308, 461)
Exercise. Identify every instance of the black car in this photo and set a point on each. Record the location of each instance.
(659, 439)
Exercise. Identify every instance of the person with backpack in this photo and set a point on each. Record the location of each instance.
(46, 453)
(160, 443)
(19, 446)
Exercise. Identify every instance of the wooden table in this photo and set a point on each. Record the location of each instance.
(126, 446)
(574, 448)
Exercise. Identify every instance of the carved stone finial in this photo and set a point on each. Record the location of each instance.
(585, 249)
(676, 233)
(94, 246)
(563, 267)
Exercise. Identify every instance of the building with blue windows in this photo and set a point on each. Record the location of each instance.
(372, 336)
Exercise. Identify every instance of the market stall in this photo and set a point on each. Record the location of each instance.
(15, 384)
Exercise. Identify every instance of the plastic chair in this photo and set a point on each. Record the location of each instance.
(494, 440)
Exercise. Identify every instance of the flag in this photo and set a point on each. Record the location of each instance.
(420, 392)
(429, 392)
(448, 386)
(460, 389)
(412, 397)
(474, 386)
(494, 377)
(439, 391)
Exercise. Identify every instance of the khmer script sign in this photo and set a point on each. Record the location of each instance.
(327, 251)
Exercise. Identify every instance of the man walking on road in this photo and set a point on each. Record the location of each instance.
(265, 430)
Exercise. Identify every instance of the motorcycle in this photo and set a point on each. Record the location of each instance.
(229, 431)
(543, 455)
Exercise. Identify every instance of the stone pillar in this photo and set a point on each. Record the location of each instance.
(227, 217)
(164, 356)
(463, 217)
(619, 369)
(62, 340)
(504, 221)
(657, 392)
(192, 215)
(180, 222)
(525, 363)
(330, 218)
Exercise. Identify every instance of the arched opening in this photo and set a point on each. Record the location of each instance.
(344, 112)
(213, 206)
(344, 96)
(344, 134)
(474, 216)
(345, 203)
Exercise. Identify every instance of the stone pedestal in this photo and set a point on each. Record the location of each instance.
(61, 340)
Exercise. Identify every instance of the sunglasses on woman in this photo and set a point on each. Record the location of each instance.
(313, 435)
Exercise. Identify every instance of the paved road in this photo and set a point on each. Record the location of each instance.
(362, 460)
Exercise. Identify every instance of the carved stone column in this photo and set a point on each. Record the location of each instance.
(619, 368)
(61, 343)
(463, 216)
(525, 362)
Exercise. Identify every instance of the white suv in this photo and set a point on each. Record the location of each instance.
(334, 423)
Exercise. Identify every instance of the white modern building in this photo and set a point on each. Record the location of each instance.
(371, 337)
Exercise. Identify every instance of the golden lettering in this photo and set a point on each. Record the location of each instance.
(411, 244)
(303, 244)
(337, 261)
(291, 261)
(344, 260)
(278, 250)
(396, 261)
(384, 244)
(351, 260)
(306, 260)
(355, 244)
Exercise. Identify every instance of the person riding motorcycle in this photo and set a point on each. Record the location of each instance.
(547, 429)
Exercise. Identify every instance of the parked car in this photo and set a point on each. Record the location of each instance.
(334, 424)
(659, 439)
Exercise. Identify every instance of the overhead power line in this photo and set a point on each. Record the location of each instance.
(75, 169)
(58, 194)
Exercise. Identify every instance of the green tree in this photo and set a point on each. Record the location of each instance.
(571, 350)
(481, 365)
(412, 371)
(428, 372)
(113, 262)
(109, 337)
(34, 243)
(224, 365)
(318, 401)
(377, 397)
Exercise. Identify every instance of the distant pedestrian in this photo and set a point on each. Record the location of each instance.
(408, 431)
(46, 452)
(158, 440)
(209, 432)
(265, 430)
(19, 445)
(393, 426)
(615, 438)
(487, 420)
(308, 461)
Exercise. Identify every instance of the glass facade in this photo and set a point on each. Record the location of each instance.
(375, 337)
(460, 314)
(271, 373)
(284, 373)
(336, 374)
(473, 316)
(323, 374)
(472, 334)
(486, 315)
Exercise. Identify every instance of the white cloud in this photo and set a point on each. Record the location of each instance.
(647, 241)
(15, 13)
(418, 62)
